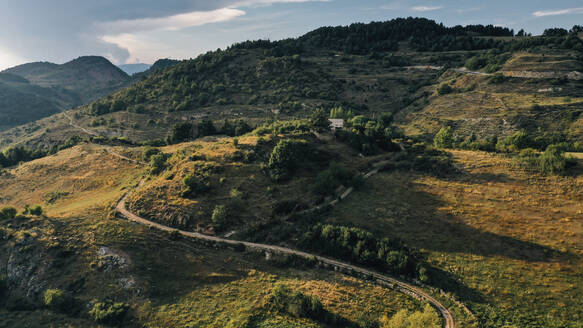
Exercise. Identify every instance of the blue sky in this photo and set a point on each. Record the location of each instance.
(131, 31)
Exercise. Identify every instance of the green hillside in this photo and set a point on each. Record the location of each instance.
(43, 89)
(395, 67)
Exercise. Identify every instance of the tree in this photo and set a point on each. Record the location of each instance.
(521, 33)
(404, 319)
(180, 132)
(284, 158)
(157, 163)
(552, 161)
(36, 210)
(444, 138)
(319, 120)
(206, 128)
(220, 217)
(8, 213)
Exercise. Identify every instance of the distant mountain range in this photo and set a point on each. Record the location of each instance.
(132, 69)
(32, 91)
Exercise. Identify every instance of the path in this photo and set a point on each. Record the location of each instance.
(381, 279)
(400, 286)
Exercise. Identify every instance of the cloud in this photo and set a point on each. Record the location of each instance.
(543, 13)
(426, 8)
(136, 36)
(249, 3)
(173, 23)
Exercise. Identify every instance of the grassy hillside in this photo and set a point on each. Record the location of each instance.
(79, 246)
(512, 236)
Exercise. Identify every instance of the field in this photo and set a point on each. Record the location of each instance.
(514, 238)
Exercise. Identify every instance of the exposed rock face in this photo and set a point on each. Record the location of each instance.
(110, 260)
(24, 268)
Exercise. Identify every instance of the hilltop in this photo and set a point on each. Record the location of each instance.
(388, 67)
(45, 88)
(457, 171)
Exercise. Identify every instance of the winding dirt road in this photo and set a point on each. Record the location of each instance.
(381, 279)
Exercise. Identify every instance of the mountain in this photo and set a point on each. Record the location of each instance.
(22, 102)
(395, 67)
(46, 88)
(132, 69)
(452, 173)
(91, 77)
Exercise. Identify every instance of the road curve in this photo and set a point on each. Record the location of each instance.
(398, 285)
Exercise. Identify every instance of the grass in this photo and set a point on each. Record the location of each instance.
(174, 282)
(511, 236)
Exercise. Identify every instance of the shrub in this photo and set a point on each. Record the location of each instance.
(148, 152)
(8, 213)
(330, 179)
(404, 319)
(157, 163)
(220, 217)
(552, 161)
(108, 312)
(296, 303)
(444, 138)
(444, 89)
(57, 300)
(35, 210)
(194, 184)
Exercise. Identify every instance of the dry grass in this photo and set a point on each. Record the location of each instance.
(513, 236)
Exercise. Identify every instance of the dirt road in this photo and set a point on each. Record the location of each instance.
(381, 279)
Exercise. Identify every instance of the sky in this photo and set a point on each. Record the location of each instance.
(142, 31)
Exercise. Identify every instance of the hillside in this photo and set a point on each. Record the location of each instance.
(22, 102)
(79, 246)
(367, 68)
(46, 88)
(456, 173)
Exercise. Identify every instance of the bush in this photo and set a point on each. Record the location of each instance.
(8, 213)
(220, 217)
(296, 303)
(444, 138)
(57, 300)
(552, 161)
(444, 89)
(330, 179)
(194, 184)
(35, 210)
(108, 312)
(404, 319)
(157, 163)
(148, 152)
